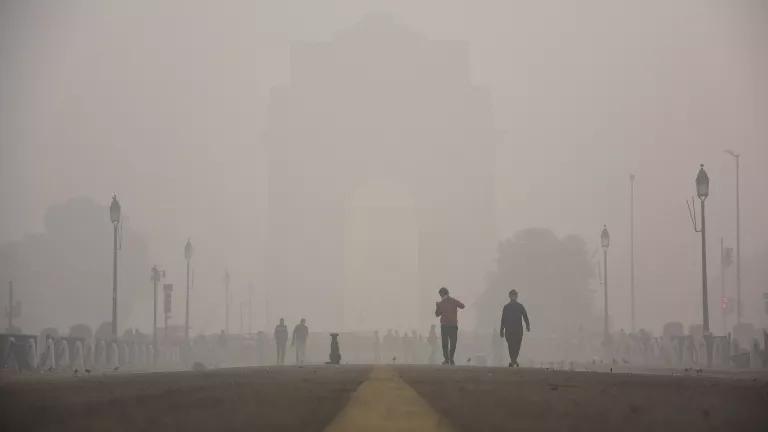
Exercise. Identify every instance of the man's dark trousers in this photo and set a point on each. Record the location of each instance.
(449, 334)
(514, 338)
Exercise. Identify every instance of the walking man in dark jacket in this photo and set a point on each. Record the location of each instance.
(512, 327)
(447, 309)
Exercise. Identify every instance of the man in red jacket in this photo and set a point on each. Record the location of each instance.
(447, 309)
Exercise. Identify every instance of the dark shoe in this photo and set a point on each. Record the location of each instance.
(511, 364)
(517, 364)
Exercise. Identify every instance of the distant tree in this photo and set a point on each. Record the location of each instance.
(49, 331)
(81, 330)
(104, 331)
(552, 276)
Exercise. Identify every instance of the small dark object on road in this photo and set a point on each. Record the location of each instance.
(335, 356)
(198, 366)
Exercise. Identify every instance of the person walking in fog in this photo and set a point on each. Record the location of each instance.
(447, 309)
(299, 339)
(281, 339)
(512, 327)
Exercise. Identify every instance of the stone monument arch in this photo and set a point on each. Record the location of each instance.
(379, 101)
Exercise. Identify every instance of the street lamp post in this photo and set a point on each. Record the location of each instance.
(702, 191)
(605, 241)
(114, 216)
(188, 257)
(632, 250)
(737, 157)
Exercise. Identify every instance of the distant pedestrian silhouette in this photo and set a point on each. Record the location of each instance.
(299, 340)
(281, 340)
(512, 316)
(447, 309)
(432, 341)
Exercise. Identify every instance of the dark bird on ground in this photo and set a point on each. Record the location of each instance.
(87, 371)
(116, 368)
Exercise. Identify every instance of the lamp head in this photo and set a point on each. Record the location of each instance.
(702, 183)
(114, 210)
(605, 238)
(188, 250)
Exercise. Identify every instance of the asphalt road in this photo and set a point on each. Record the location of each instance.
(419, 398)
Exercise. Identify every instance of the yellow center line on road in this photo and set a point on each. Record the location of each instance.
(384, 402)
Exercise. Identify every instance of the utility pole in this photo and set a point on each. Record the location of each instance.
(738, 247)
(157, 274)
(250, 307)
(737, 157)
(632, 249)
(726, 259)
(188, 257)
(704, 268)
(10, 306)
(226, 301)
(723, 300)
(167, 292)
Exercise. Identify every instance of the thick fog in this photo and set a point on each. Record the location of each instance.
(345, 159)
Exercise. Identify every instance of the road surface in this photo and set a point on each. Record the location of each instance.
(384, 398)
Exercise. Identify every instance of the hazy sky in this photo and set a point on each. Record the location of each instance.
(164, 103)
